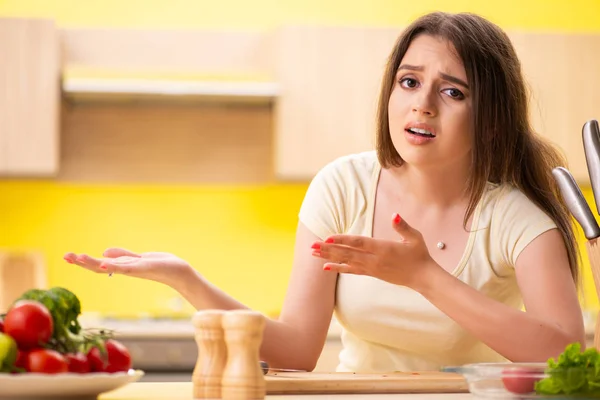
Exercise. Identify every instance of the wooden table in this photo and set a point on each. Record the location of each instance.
(183, 391)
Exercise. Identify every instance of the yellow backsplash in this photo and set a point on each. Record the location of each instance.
(240, 238)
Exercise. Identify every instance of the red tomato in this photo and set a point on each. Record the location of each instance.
(22, 360)
(47, 361)
(95, 360)
(116, 358)
(29, 323)
(119, 359)
(1, 325)
(78, 363)
(520, 380)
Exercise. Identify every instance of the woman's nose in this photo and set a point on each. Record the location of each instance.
(424, 104)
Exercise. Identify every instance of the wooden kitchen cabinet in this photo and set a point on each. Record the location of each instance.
(563, 74)
(329, 81)
(30, 97)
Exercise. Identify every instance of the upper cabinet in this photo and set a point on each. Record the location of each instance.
(30, 97)
(329, 80)
(563, 74)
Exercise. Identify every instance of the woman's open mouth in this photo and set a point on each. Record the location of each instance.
(420, 132)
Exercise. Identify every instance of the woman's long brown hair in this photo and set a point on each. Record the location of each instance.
(506, 149)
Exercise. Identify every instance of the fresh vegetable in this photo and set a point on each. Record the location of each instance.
(29, 323)
(21, 362)
(119, 359)
(42, 334)
(573, 372)
(112, 357)
(96, 360)
(520, 380)
(1, 325)
(8, 352)
(64, 307)
(78, 363)
(47, 361)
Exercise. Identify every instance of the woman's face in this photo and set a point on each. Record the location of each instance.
(430, 106)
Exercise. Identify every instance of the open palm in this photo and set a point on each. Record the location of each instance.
(154, 266)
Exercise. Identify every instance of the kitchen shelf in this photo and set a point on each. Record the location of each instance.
(101, 89)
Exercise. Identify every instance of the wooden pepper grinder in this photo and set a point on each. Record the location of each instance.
(243, 378)
(212, 354)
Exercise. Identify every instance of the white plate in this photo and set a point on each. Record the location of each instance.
(62, 386)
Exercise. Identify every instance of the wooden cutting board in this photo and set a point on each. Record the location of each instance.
(342, 382)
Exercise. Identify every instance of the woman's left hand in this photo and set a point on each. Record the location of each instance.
(400, 262)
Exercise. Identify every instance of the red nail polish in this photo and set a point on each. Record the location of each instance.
(397, 218)
(327, 268)
(102, 266)
(329, 240)
(316, 246)
(67, 260)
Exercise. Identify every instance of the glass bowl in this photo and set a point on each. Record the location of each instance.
(524, 381)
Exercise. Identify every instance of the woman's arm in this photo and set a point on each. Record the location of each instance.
(553, 318)
(293, 341)
(297, 338)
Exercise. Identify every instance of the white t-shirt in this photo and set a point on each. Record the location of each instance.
(388, 327)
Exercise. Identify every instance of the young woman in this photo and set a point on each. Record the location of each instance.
(428, 247)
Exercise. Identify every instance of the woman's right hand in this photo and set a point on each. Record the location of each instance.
(160, 267)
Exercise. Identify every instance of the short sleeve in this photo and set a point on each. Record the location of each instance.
(517, 221)
(322, 210)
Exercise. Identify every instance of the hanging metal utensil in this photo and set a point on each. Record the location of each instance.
(591, 147)
(576, 202)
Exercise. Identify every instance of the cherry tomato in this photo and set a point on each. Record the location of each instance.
(78, 363)
(116, 358)
(95, 360)
(29, 323)
(119, 359)
(520, 380)
(22, 360)
(47, 361)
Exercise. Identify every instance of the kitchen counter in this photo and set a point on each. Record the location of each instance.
(163, 328)
(183, 391)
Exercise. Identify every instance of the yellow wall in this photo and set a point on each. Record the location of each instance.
(240, 238)
(574, 15)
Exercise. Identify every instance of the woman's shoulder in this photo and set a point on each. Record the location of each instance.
(509, 207)
(366, 160)
(507, 196)
(350, 168)
(336, 195)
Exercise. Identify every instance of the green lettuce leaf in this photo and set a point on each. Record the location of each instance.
(573, 373)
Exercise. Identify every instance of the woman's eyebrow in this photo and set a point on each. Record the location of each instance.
(454, 79)
(410, 67)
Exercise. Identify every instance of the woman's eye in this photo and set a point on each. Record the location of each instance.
(455, 94)
(408, 82)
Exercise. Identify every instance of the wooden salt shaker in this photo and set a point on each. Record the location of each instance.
(212, 354)
(243, 378)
